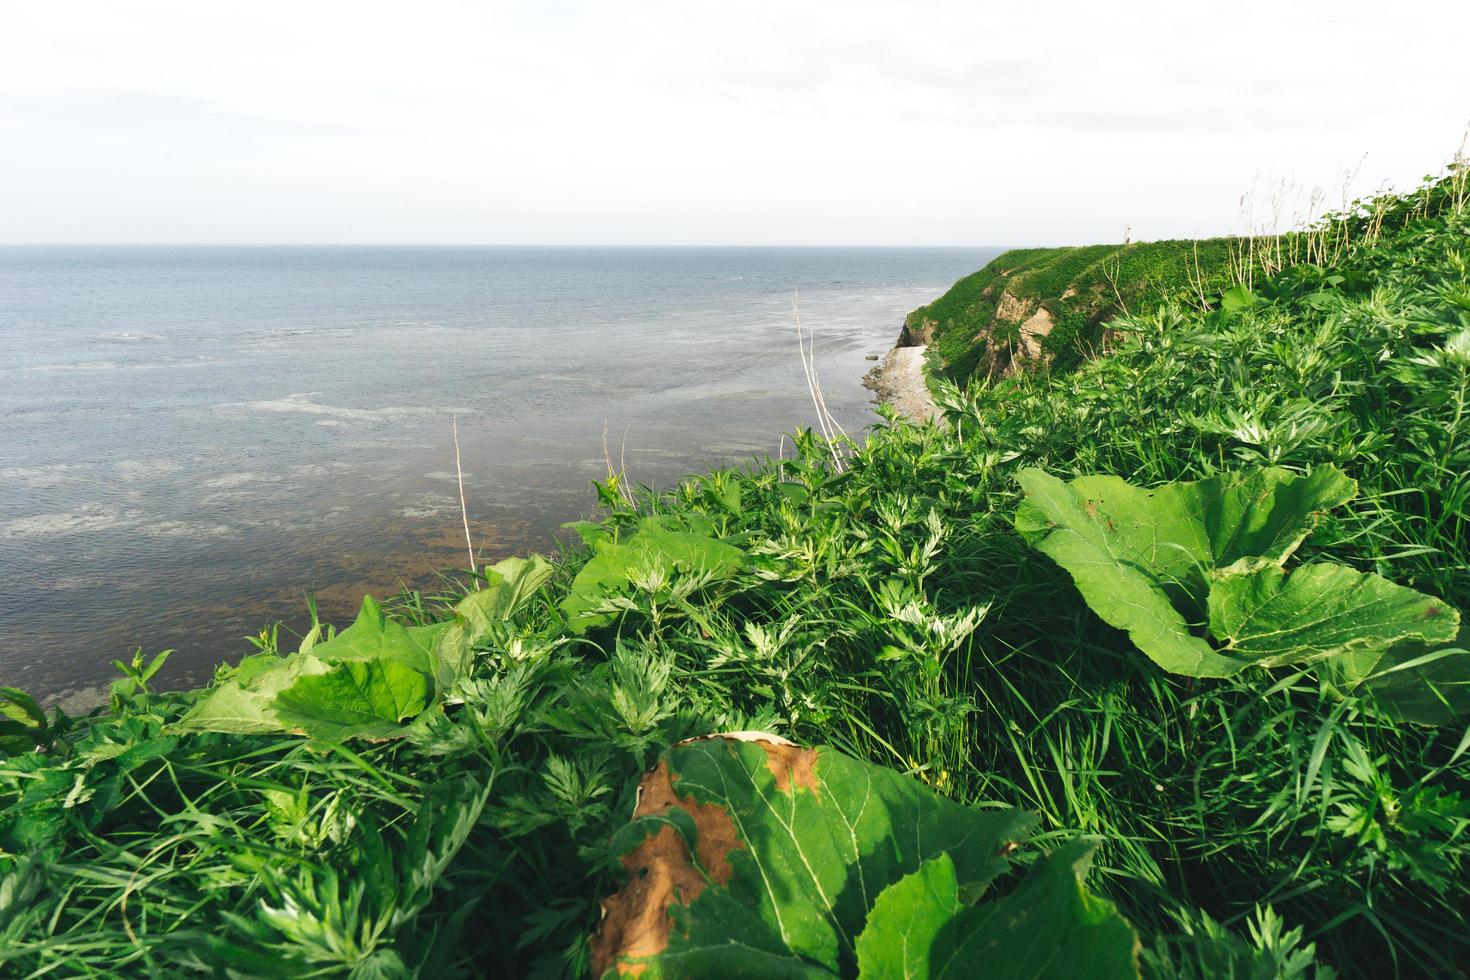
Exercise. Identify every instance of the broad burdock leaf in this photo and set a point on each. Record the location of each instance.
(1194, 571)
(1236, 298)
(1048, 927)
(749, 856)
(373, 636)
(1175, 533)
(244, 704)
(360, 693)
(1420, 683)
(1272, 618)
(508, 586)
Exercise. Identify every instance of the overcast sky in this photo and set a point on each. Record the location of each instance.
(736, 122)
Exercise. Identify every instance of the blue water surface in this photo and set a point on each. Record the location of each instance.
(192, 438)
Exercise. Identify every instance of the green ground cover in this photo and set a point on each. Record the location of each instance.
(445, 787)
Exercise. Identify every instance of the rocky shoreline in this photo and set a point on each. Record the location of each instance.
(898, 380)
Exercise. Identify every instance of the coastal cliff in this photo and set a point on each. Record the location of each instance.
(1047, 308)
(1038, 309)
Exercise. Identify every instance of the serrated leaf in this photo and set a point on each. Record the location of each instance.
(373, 636)
(355, 698)
(1270, 618)
(244, 703)
(363, 681)
(590, 532)
(792, 848)
(509, 584)
(1237, 297)
(1050, 926)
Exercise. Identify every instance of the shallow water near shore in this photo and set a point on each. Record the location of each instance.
(192, 438)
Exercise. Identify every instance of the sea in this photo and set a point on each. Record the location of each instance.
(194, 439)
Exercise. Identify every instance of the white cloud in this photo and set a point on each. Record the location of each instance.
(855, 122)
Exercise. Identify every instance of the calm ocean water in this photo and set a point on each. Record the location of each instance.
(191, 439)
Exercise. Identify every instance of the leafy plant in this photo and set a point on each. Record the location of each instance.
(750, 856)
(1163, 563)
(1049, 926)
(649, 559)
(24, 725)
(1203, 949)
(371, 677)
(1223, 810)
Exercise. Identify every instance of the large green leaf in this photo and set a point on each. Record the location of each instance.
(373, 636)
(1259, 612)
(1175, 533)
(509, 584)
(1050, 926)
(244, 703)
(1417, 682)
(354, 698)
(658, 549)
(757, 858)
(1188, 563)
(1132, 555)
(370, 677)
(304, 695)
(22, 722)
(360, 682)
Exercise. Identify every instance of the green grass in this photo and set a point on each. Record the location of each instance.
(889, 610)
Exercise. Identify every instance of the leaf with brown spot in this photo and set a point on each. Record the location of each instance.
(749, 856)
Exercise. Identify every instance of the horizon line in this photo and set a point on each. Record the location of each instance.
(330, 244)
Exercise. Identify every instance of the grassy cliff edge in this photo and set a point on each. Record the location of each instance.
(1049, 305)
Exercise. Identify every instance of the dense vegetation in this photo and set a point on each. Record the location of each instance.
(972, 325)
(475, 755)
(974, 329)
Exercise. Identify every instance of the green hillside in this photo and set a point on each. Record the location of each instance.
(974, 328)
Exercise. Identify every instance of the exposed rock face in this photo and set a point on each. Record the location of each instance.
(921, 336)
(1013, 337)
(1035, 329)
(1010, 309)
